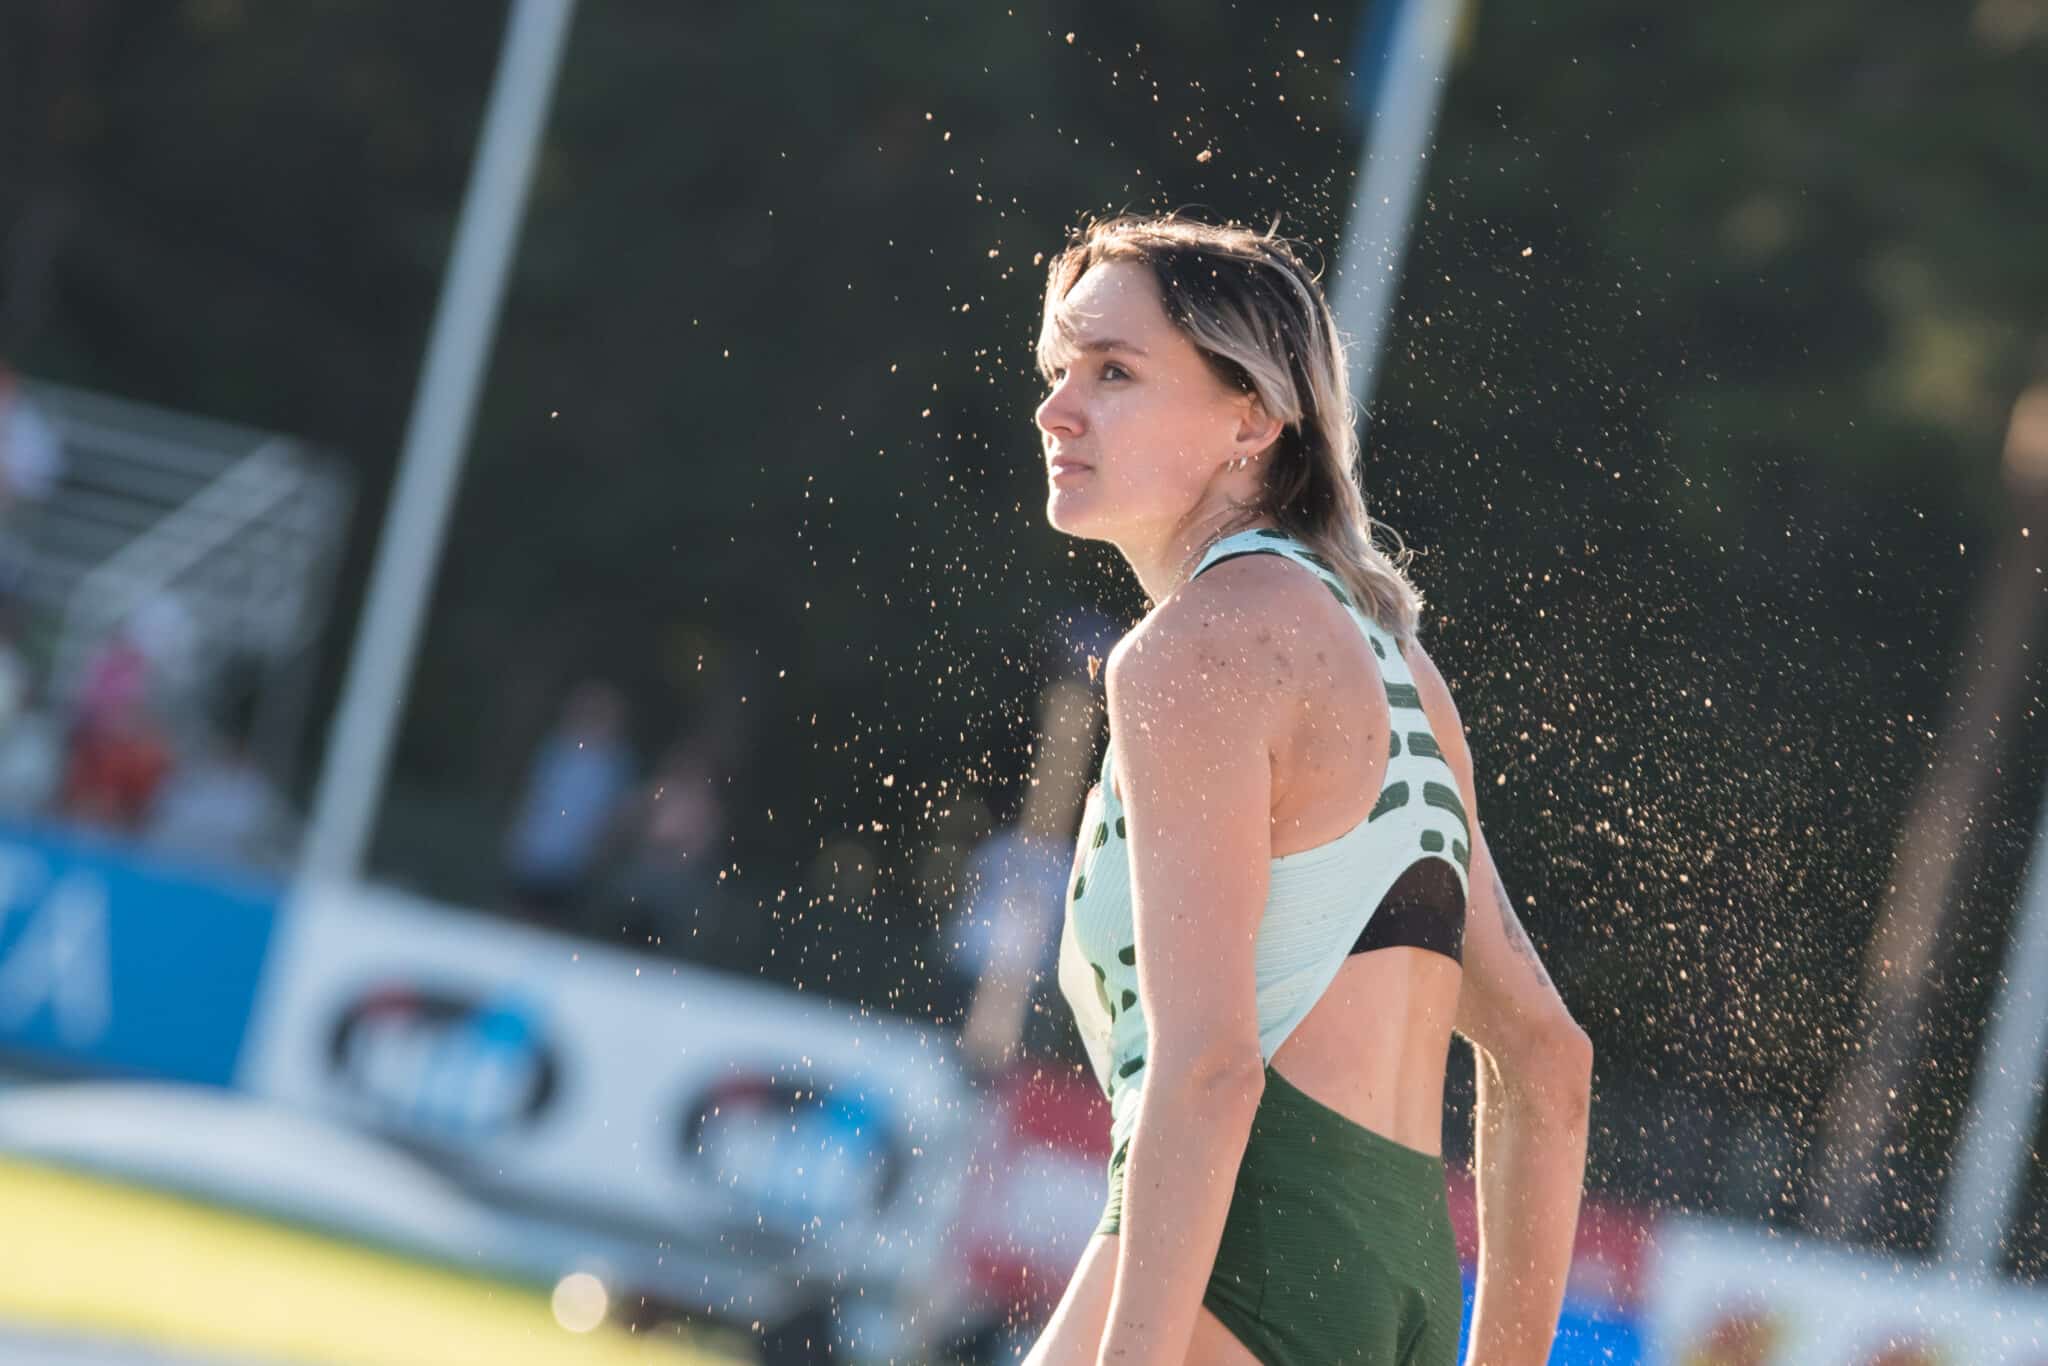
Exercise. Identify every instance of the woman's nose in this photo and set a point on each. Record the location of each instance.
(1058, 415)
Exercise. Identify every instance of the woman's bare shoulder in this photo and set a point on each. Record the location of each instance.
(1240, 628)
(1262, 597)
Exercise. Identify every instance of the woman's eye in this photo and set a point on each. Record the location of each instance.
(1111, 370)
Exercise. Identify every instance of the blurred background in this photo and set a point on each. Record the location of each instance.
(542, 725)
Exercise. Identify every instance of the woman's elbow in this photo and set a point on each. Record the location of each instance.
(1217, 1071)
(1550, 1064)
(1564, 1066)
(1575, 1056)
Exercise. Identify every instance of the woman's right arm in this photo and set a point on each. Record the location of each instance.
(1534, 1068)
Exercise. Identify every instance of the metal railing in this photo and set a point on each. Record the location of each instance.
(241, 528)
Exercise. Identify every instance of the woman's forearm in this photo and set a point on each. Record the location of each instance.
(1530, 1170)
(1190, 1138)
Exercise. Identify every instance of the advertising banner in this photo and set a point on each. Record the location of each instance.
(683, 1107)
(1725, 1295)
(112, 964)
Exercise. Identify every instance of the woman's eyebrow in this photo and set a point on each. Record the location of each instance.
(1109, 344)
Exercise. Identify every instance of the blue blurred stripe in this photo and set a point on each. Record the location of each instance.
(1583, 1338)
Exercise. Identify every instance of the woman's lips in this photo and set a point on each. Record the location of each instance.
(1062, 469)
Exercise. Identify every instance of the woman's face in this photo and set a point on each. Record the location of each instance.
(1137, 425)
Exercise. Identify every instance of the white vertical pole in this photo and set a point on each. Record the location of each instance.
(1991, 1162)
(366, 719)
(1407, 95)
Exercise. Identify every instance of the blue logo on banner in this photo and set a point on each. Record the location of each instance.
(111, 964)
(444, 1068)
(790, 1155)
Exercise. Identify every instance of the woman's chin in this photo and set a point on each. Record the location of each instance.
(1068, 512)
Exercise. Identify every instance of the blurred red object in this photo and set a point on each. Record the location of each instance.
(117, 763)
(1035, 1187)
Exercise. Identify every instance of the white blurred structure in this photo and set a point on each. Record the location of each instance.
(1403, 59)
(2005, 1101)
(436, 438)
(205, 541)
(1725, 1292)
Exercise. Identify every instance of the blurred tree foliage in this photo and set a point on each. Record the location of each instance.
(1710, 328)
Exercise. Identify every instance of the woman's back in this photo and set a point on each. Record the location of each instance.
(1375, 1045)
(1357, 947)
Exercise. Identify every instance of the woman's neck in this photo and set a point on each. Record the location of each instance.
(1165, 569)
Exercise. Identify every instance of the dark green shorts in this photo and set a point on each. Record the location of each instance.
(1338, 1244)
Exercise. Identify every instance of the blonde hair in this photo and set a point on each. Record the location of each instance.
(1258, 316)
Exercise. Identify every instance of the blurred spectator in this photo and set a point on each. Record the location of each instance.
(1013, 892)
(665, 892)
(222, 808)
(1039, 1136)
(118, 759)
(1077, 644)
(149, 660)
(163, 628)
(1003, 941)
(579, 774)
(116, 679)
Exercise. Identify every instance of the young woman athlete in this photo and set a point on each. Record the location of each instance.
(1281, 904)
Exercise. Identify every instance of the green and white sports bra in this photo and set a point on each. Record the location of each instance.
(1398, 877)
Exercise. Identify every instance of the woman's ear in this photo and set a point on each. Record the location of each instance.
(1257, 429)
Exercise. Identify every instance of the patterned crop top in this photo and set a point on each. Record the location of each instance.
(1405, 865)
